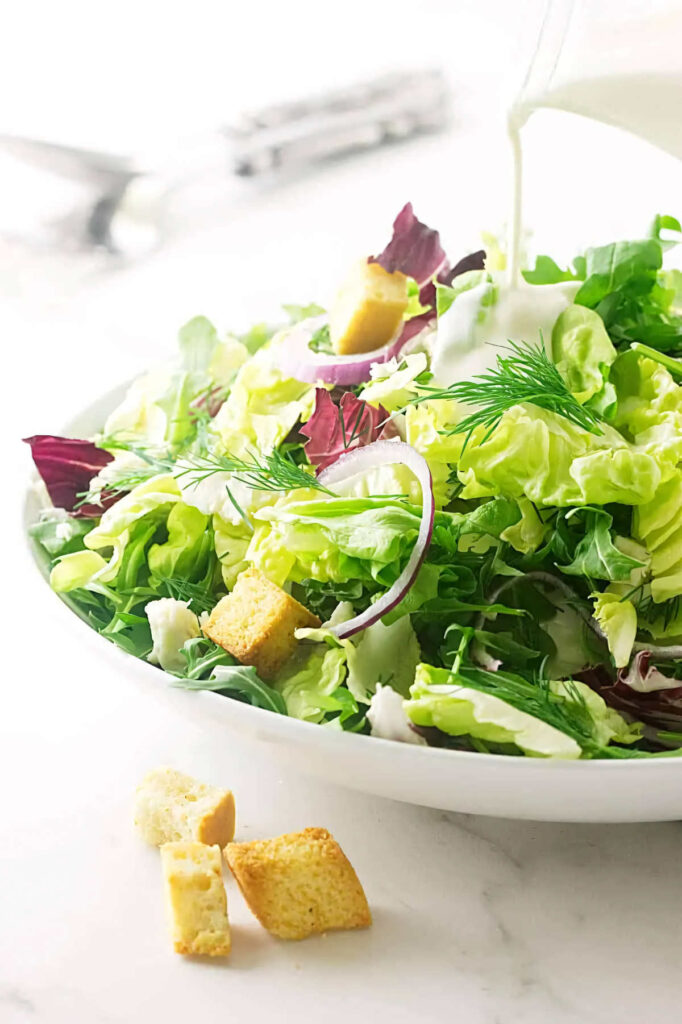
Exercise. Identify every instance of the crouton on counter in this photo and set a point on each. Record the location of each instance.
(299, 884)
(195, 898)
(256, 623)
(170, 806)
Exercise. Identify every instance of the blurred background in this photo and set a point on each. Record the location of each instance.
(152, 84)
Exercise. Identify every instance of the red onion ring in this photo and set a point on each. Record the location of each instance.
(381, 453)
(294, 358)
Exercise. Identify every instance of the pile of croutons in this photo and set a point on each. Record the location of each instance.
(296, 885)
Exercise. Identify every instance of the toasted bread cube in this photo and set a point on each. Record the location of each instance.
(256, 623)
(170, 806)
(368, 309)
(195, 898)
(299, 884)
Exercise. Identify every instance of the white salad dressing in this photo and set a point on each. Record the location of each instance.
(616, 62)
(473, 329)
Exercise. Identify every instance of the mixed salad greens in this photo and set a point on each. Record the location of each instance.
(495, 556)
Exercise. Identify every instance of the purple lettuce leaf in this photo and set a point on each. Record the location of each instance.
(333, 430)
(67, 465)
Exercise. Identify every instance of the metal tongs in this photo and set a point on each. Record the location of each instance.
(127, 198)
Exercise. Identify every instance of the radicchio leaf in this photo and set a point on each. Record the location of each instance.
(414, 249)
(659, 707)
(643, 677)
(67, 465)
(333, 430)
(474, 261)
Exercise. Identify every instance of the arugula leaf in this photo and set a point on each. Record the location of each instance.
(321, 340)
(546, 271)
(241, 682)
(621, 265)
(202, 656)
(60, 534)
(596, 556)
(664, 222)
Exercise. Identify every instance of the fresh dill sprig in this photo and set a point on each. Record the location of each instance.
(527, 375)
(274, 472)
(154, 465)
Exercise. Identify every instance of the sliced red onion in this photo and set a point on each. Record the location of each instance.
(383, 453)
(294, 357)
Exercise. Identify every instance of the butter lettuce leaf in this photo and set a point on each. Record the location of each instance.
(442, 700)
(618, 620)
(544, 457)
(582, 351)
(261, 409)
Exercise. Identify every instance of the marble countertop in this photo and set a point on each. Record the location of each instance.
(487, 921)
(478, 920)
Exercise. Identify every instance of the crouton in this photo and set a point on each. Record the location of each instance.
(368, 310)
(195, 898)
(299, 884)
(170, 806)
(256, 623)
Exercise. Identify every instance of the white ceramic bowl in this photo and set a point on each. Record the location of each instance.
(511, 787)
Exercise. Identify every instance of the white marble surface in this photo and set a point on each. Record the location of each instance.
(487, 921)
(481, 921)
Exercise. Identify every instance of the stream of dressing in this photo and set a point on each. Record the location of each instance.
(493, 313)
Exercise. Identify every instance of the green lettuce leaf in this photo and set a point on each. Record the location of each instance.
(625, 284)
(310, 678)
(113, 530)
(649, 406)
(438, 699)
(528, 533)
(76, 570)
(158, 407)
(189, 543)
(333, 539)
(542, 456)
(608, 726)
(197, 340)
(618, 620)
(425, 426)
(582, 351)
(386, 654)
(627, 267)
(261, 409)
(231, 543)
(658, 525)
(393, 383)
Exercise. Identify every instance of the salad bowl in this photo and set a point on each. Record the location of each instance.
(471, 783)
(427, 543)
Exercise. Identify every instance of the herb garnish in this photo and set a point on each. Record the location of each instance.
(274, 472)
(527, 375)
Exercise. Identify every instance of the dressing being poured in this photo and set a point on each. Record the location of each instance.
(616, 65)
